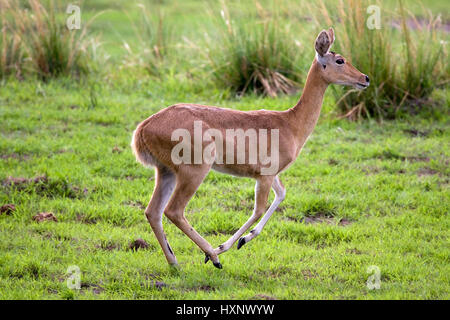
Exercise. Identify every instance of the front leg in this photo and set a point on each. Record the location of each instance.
(262, 190)
(280, 193)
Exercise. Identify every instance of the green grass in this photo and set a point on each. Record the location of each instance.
(388, 182)
(378, 191)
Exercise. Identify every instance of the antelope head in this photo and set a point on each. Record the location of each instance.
(334, 67)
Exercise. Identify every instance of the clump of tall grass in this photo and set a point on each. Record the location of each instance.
(254, 54)
(422, 54)
(401, 64)
(155, 42)
(39, 43)
(12, 58)
(54, 49)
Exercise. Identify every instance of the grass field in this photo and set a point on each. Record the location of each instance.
(360, 194)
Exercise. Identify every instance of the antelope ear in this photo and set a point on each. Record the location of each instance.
(324, 41)
(332, 36)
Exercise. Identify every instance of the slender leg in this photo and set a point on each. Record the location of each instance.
(165, 183)
(262, 190)
(280, 193)
(188, 182)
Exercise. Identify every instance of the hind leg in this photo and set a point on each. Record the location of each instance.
(189, 179)
(164, 186)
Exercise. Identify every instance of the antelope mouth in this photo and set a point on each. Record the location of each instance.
(361, 86)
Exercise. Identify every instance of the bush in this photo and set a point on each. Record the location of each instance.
(35, 41)
(12, 58)
(402, 66)
(255, 53)
(422, 54)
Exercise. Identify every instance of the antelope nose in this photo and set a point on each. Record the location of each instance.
(367, 79)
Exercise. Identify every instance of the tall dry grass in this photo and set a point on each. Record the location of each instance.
(403, 65)
(35, 42)
(254, 52)
(12, 58)
(155, 42)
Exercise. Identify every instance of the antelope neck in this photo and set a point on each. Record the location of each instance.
(304, 115)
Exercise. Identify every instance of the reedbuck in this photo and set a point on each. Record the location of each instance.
(179, 172)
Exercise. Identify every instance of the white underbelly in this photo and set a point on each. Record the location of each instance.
(229, 170)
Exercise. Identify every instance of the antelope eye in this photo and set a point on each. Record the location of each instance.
(340, 61)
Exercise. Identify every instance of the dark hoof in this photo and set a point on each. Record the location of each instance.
(241, 242)
(218, 265)
(175, 269)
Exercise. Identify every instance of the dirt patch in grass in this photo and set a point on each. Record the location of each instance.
(151, 276)
(202, 287)
(278, 272)
(308, 274)
(159, 285)
(320, 207)
(22, 183)
(138, 244)
(153, 280)
(108, 246)
(324, 218)
(44, 186)
(371, 170)
(393, 155)
(7, 209)
(344, 222)
(244, 205)
(427, 172)
(290, 218)
(132, 178)
(262, 297)
(283, 208)
(59, 237)
(353, 251)
(333, 162)
(63, 150)
(116, 149)
(320, 246)
(45, 216)
(220, 232)
(15, 156)
(417, 159)
(52, 291)
(206, 288)
(95, 288)
(320, 211)
(417, 133)
(86, 219)
(135, 204)
(320, 218)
